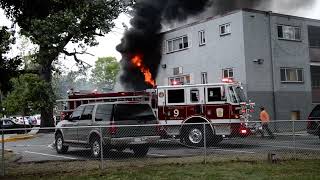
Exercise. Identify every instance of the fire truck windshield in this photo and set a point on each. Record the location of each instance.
(240, 93)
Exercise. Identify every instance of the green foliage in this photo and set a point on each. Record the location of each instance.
(52, 24)
(73, 80)
(30, 94)
(8, 67)
(105, 72)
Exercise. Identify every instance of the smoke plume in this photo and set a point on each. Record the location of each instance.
(144, 38)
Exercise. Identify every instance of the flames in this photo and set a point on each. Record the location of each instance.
(137, 61)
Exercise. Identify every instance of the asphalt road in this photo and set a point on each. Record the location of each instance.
(41, 148)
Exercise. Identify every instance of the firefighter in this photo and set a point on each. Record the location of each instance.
(265, 120)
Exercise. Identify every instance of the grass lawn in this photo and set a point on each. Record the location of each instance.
(302, 169)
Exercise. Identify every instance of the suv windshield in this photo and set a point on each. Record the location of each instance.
(134, 112)
(242, 97)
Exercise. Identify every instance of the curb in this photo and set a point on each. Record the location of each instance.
(17, 138)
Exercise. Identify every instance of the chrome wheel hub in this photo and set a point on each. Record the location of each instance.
(195, 136)
(59, 143)
(96, 148)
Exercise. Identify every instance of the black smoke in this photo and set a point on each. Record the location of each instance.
(144, 36)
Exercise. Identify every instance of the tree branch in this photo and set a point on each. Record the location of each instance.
(75, 53)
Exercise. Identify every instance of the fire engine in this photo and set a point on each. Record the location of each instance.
(181, 109)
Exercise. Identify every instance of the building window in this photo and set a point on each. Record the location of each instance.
(204, 78)
(179, 80)
(289, 33)
(202, 38)
(225, 29)
(177, 44)
(227, 73)
(177, 71)
(314, 36)
(291, 75)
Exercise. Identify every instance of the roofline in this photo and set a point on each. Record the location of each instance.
(202, 21)
(236, 11)
(278, 14)
(198, 85)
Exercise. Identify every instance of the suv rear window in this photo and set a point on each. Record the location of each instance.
(133, 112)
(104, 112)
(315, 112)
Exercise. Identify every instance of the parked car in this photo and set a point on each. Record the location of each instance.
(313, 126)
(8, 124)
(20, 120)
(137, 138)
(36, 120)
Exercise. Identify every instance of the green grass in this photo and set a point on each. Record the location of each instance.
(302, 169)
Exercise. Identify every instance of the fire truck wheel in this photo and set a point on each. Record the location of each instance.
(193, 135)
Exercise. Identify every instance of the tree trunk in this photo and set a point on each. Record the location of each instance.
(46, 75)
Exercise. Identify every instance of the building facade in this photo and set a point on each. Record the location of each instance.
(276, 57)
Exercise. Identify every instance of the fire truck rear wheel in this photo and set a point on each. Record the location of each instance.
(193, 135)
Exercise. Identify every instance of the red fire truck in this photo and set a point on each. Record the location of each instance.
(182, 108)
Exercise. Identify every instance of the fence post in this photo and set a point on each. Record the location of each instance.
(294, 140)
(101, 150)
(205, 143)
(2, 158)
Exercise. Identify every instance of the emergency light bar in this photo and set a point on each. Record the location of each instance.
(227, 80)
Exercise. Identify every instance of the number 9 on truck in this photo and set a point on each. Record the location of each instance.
(176, 113)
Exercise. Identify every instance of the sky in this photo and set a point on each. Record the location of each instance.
(108, 43)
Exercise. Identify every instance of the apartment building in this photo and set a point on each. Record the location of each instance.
(275, 56)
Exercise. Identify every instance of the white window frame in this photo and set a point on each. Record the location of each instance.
(182, 78)
(202, 38)
(228, 72)
(293, 38)
(296, 73)
(204, 78)
(227, 28)
(179, 71)
(170, 44)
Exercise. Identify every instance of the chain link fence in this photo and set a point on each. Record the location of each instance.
(75, 147)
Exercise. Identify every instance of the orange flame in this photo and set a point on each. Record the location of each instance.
(137, 61)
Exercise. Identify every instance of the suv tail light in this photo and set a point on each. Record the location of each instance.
(112, 128)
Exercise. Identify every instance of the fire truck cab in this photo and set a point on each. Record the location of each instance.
(222, 106)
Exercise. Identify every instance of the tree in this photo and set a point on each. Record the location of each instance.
(105, 72)
(30, 95)
(72, 80)
(53, 24)
(8, 66)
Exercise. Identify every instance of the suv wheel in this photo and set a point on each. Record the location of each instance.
(95, 146)
(60, 148)
(141, 151)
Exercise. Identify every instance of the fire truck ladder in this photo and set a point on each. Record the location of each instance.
(62, 103)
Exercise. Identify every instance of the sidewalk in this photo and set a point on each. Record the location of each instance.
(298, 133)
(18, 137)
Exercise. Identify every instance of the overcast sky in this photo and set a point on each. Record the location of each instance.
(108, 43)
